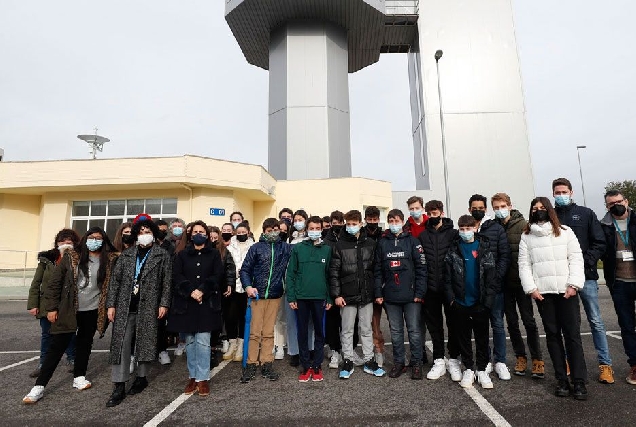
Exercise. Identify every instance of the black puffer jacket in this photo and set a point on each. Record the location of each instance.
(585, 224)
(230, 272)
(436, 243)
(514, 229)
(454, 280)
(400, 268)
(351, 269)
(497, 242)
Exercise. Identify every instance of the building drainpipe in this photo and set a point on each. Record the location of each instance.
(187, 187)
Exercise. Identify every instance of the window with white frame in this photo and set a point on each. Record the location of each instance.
(110, 214)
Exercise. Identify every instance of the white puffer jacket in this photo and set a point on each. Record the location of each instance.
(238, 251)
(550, 263)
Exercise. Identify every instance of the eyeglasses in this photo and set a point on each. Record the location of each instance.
(618, 202)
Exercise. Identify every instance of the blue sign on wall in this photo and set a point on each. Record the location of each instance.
(217, 212)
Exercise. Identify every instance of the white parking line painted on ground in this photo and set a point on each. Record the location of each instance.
(37, 351)
(495, 417)
(613, 334)
(168, 410)
(13, 365)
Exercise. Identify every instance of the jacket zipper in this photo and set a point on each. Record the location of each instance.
(271, 268)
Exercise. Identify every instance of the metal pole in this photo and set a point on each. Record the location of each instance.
(26, 254)
(578, 153)
(438, 56)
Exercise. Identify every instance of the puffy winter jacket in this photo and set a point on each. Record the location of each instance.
(609, 258)
(514, 229)
(497, 242)
(400, 268)
(351, 269)
(588, 231)
(264, 267)
(239, 251)
(414, 228)
(436, 243)
(454, 273)
(308, 272)
(230, 271)
(46, 264)
(549, 263)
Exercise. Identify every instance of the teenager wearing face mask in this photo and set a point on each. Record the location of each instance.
(326, 225)
(185, 239)
(236, 218)
(374, 231)
(163, 240)
(139, 296)
(551, 269)
(75, 301)
(498, 242)
(230, 278)
(123, 239)
(417, 217)
(284, 230)
(215, 234)
(162, 338)
(619, 226)
(64, 240)
(585, 224)
(280, 328)
(286, 215)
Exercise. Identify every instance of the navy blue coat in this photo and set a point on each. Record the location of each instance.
(264, 267)
(497, 241)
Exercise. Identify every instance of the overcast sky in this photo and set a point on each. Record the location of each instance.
(164, 78)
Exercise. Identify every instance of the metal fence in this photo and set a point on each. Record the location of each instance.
(17, 267)
(402, 7)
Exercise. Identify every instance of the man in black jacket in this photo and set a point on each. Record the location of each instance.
(352, 288)
(619, 226)
(585, 224)
(436, 240)
(374, 231)
(498, 245)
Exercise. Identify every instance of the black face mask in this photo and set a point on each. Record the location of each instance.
(226, 236)
(283, 236)
(162, 235)
(242, 238)
(618, 210)
(540, 216)
(325, 232)
(478, 215)
(434, 220)
(372, 226)
(336, 229)
(127, 239)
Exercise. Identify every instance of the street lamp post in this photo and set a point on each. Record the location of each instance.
(438, 56)
(578, 152)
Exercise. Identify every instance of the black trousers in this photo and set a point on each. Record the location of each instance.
(515, 297)
(314, 309)
(162, 335)
(434, 303)
(234, 308)
(86, 327)
(466, 322)
(562, 324)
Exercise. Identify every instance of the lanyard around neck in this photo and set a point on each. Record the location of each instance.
(139, 264)
(624, 236)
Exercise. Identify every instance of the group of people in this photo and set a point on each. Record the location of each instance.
(310, 282)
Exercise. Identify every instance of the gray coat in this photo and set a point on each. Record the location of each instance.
(155, 287)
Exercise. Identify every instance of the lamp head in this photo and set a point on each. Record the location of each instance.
(438, 55)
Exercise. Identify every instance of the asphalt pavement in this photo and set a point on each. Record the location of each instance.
(362, 400)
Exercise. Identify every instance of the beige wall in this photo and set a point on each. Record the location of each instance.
(20, 215)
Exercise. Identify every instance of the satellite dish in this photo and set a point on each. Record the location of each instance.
(95, 142)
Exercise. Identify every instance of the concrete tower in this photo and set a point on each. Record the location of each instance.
(309, 47)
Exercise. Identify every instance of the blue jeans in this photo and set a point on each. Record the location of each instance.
(45, 342)
(198, 355)
(411, 314)
(292, 331)
(498, 330)
(624, 297)
(589, 298)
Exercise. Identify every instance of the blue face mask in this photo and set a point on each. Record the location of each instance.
(395, 228)
(562, 200)
(502, 213)
(235, 224)
(467, 235)
(353, 229)
(177, 231)
(93, 244)
(299, 225)
(416, 214)
(314, 235)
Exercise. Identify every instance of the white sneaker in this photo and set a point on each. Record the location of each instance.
(164, 358)
(180, 349)
(502, 371)
(132, 364)
(81, 383)
(454, 369)
(438, 369)
(467, 379)
(489, 368)
(225, 346)
(279, 353)
(34, 395)
(335, 360)
(379, 359)
(484, 379)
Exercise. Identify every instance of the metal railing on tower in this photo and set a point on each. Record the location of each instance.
(402, 7)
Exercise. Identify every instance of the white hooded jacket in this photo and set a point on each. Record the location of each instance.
(238, 251)
(549, 263)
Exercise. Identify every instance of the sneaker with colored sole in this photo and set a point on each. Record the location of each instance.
(347, 370)
(371, 367)
(34, 395)
(316, 376)
(305, 375)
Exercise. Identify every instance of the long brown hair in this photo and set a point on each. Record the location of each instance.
(185, 238)
(118, 243)
(552, 215)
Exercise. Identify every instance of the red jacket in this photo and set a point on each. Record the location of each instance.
(415, 229)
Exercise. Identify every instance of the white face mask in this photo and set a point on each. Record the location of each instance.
(65, 247)
(145, 239)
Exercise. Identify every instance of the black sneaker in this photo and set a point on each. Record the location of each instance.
(267, 371)
(580, 392)
(372, 367)
(118, 395)
(249, 372)
(294, 361)
(416, 371)
(138, 385)
(347, 369)
(397, 370)
(562, 389)
(214, 360)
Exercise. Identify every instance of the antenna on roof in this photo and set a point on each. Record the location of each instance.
(95, 142)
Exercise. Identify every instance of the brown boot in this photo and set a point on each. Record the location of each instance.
(538, 369)
(191, 387)
(204, 388)
(606, 375)
(521, 365)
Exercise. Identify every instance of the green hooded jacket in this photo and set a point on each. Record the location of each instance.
(308, 272)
